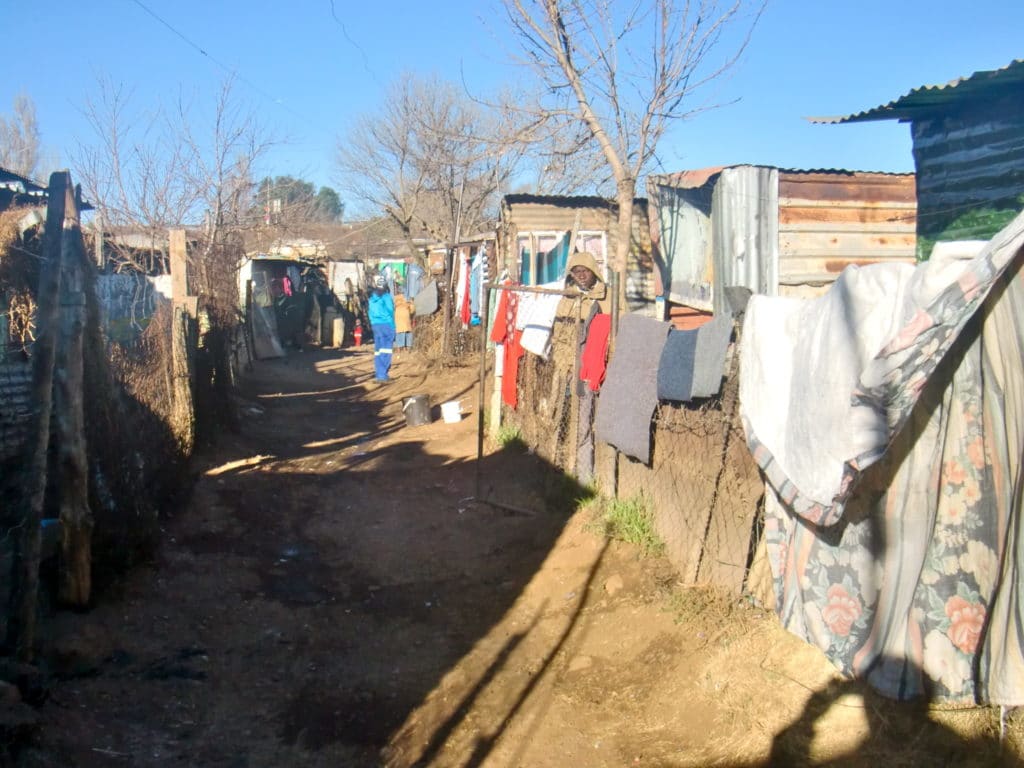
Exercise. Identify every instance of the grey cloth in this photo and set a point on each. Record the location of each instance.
(709, 361)
(692, 361)
(630, 390)
(426, 300)
(675, 371)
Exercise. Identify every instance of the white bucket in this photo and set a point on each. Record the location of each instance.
(451, 412)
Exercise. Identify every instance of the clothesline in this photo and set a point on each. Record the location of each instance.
(530, 289)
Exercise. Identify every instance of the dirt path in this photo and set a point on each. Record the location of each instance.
(332, 596)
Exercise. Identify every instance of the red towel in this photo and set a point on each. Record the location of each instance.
(504, 332)
(510, 377)
(595, 349)
(464, 314)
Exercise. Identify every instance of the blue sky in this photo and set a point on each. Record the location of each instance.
(309, 67)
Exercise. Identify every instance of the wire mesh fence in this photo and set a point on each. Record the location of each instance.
(701, 483)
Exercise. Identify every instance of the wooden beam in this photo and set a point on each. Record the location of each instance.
(75, 584)
(179, 266)
(21, 618)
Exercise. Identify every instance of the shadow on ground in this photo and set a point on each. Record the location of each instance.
(331, 566)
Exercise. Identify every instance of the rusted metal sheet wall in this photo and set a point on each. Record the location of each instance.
(831, 219)
(970, 172)
(774, 231)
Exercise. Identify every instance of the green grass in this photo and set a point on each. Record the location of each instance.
(509, 436)
(629, 520)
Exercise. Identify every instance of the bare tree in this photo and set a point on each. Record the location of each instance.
(219, 168)
(432, 160)
(19, 138)
(624, 71)
(171, 167)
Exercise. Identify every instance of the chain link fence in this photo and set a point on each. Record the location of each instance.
(701, 484)
(441, 337)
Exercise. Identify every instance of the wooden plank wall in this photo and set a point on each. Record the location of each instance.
(829, 220)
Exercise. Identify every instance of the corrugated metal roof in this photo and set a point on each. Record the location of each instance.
(566, 201)
(921, 102)
(19, 184)
(699, 177)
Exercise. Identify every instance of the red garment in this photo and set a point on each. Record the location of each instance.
(499, 331)
(504, 332)
(464, 311)
(595, 348)
(510, 377)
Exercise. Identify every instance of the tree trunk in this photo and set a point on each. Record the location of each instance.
(75, 515)
(624, 236)
(21, 619)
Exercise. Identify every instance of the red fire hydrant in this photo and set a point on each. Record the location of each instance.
(358, 333)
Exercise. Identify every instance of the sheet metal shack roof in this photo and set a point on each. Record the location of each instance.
(698, 177)
(986, 85)
(566, 201)
(15, 182)
(25, 191)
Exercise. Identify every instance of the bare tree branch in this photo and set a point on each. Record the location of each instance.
(19, 138)
(631, 69)
(432, 159)
(150, 172)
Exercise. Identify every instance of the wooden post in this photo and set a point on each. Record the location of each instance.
(247, 331)
(449, 303)
(611, 351)
(179, 265)
(533, 260)
(101, 259)
(69, 422)
(183, 413)
(485, 311)
(21, 618)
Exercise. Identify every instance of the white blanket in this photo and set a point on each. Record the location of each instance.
(802, 360)
(535, 316)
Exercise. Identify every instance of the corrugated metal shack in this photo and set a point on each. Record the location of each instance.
(18, 190)
(774, 231)
(536, 233)
(968, 151)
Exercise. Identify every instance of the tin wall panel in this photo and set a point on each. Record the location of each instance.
(745, 214)
(830, 220)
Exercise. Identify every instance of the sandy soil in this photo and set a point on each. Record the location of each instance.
(334, 595)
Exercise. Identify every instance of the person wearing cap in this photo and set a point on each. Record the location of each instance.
(382, 322)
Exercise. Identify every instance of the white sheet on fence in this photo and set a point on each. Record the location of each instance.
(536, 315)
(898, 578)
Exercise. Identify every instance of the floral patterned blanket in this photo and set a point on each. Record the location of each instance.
(888, 419)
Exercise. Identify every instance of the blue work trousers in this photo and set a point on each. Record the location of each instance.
(383, 341)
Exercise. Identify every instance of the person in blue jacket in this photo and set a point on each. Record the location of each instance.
(382, 323)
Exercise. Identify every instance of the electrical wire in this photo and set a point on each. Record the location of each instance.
(233, 72)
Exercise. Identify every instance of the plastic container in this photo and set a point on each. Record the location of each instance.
(451, 412)
(416, 410)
